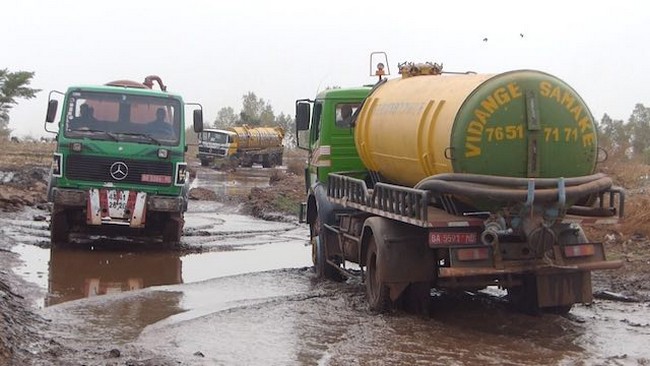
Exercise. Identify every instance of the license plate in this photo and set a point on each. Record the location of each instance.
(117, 200)
(449, 238)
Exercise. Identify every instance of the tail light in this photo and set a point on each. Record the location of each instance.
(472, 254)
(583, 250)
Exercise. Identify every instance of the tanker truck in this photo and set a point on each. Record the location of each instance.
(241, 146)
(456, 181)
(119, 167)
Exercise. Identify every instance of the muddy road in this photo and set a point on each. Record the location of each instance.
(241, 292)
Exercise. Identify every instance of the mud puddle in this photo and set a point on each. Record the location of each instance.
(286, 316)
(238, 182)
(245, 296)
(220, 244)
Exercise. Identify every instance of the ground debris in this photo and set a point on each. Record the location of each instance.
(609, 295)
(202, 194)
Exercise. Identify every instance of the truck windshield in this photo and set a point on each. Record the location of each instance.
(217, 137)
(104, 116)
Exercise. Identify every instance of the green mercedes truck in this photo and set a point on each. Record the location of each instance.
(119, 167)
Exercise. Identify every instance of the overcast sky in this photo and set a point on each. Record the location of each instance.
(213, 52)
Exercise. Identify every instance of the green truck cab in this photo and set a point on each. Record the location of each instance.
(330, 141)
(119, 167)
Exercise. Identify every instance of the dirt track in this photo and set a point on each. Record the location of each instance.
(24, 336)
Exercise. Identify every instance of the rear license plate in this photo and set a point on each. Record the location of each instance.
(450, 238)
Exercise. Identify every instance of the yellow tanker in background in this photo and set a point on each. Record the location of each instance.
(241, 146)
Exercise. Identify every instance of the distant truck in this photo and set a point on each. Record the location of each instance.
(119, 166)
(457, 181)
(241, 146)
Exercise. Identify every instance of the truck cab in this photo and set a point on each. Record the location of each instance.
(216, 144)
(325, 129)
(119, 164)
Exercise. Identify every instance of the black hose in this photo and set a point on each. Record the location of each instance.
(482, 190)
(511, 181)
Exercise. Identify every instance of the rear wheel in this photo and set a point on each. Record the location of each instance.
(267, 161)
(416, 299)
(376, 291)
(559, 310)
(204, 162)
(523, 298)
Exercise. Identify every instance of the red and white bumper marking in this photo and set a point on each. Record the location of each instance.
(114, 206)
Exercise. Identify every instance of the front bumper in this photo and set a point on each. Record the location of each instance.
(119, 207)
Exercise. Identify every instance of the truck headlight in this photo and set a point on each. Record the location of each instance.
(181, 174)
(76, 146)
(57, 165)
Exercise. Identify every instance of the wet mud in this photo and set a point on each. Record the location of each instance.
(241, 291)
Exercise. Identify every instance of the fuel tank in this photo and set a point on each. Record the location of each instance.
(258, 137)
(521, 123)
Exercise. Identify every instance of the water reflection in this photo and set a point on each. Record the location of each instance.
(79, 273)
(232, 183)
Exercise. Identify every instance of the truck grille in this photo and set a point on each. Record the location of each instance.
(209, 150)
(96, 168)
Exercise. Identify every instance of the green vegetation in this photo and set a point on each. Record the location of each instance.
(256, 112)
(631, 139)
(13, 85)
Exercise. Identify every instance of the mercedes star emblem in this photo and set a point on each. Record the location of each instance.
(119, 170)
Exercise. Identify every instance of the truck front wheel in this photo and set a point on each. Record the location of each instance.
(319, 253)
(205, 162)
(173, 230)
(59, 230)
(376, 291)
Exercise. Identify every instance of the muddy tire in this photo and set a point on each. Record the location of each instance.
(323, 269)
(267, 161)
(524, 298)
(204, 162)
(558, 310)
(376, 291)
(416, 299)
(59, 228)
(173, 230)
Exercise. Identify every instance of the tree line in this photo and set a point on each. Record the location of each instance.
(630, 139)
(256, 112)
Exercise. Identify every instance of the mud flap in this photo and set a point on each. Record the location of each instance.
(403, 256)
(564, 288)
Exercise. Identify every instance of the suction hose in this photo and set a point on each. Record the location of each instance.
(511, 189)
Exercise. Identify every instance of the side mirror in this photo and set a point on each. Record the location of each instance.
(303, 114)
(198, 120)
(52, 106)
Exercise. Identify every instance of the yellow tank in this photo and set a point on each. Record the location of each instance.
(520, 124)
(258, 137)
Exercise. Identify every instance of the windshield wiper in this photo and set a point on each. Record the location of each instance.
(112, 136)
(143, 135)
